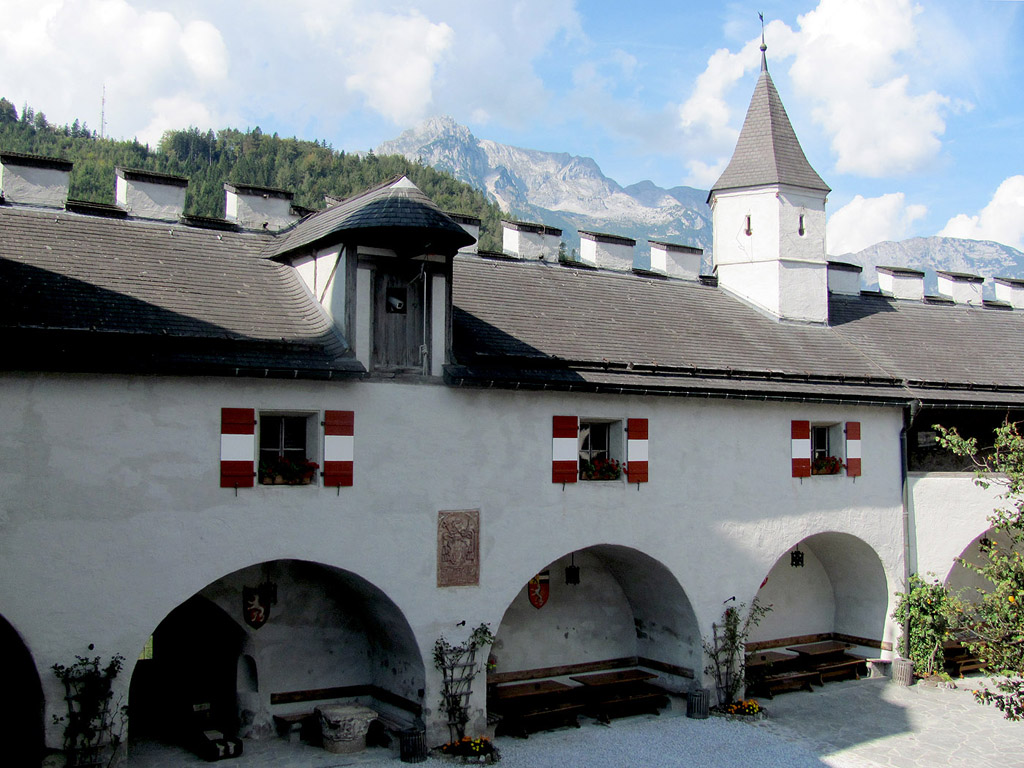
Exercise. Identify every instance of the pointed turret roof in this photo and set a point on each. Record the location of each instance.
(767, 151)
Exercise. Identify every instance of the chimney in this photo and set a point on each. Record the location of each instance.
(676, 260)
(34, 180)
(961, 287)
(149, 195)
(530, 241)
(1010, 290)
(901, 282)
(254, 207)
(606, 251)
(844, 278)
(472, 225)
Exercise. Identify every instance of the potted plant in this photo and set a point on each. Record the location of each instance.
(826, 465)
(282, 470)
(600, 469)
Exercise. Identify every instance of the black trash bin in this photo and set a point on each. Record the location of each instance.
(697, 704)
(412, 744)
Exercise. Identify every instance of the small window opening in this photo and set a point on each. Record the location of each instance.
(599, 451)
(748, 230)
(800, 229)
(284, 455)
(823, 441)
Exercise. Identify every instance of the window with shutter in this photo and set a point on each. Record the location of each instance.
(237, 447)
(636, 450)
(339, 448)
(564, 449)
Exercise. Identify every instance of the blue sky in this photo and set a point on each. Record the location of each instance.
(911, 111)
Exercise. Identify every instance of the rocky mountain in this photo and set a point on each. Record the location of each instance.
(571, 192)
(953, 254)
(557, 188)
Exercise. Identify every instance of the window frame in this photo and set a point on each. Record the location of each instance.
(613, 450)
(293, 473)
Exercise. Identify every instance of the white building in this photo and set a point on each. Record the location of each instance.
(153, 363)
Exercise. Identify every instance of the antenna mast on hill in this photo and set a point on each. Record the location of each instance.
(103, 112)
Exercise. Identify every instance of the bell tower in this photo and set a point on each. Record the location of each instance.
(768, 215)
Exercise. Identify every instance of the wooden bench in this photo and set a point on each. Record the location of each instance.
(851, 668)
(621, 693)
(787, 681)
(525, 708)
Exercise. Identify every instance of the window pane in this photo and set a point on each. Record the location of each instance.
(295, 433)
(270, 433)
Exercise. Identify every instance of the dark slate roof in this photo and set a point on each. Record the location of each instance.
(535, 324)
(942, 351)
(95, 293)
(768, 151)
(395, 215)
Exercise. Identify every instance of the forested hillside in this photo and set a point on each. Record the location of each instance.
(310, 169)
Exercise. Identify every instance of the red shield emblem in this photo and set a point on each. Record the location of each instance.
(256, 604)
(538, 589)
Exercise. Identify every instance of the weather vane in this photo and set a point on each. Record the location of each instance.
(764, 62)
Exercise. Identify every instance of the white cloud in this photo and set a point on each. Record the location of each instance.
(851, 64)
(866, 221)
(68, 51)
(1002, 220)
(395, 61)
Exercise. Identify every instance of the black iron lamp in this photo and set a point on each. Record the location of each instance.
(796, 558)
(572, 572)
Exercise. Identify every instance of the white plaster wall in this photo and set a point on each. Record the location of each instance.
(1012, 294)
(34, 186)
(529, 245)
(948, 512)
(259, 212)
(803, 291)
(756, 283)
(794, 203)
(844, 281)
(961, 291)
(616, 256)
(112, 515)
(149, 200)
(586, 622)
(802, 600)
(729, 211)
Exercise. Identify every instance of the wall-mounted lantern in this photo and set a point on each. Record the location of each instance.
(796, 558)
(572, 572)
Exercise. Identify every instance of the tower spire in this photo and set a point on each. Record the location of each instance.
(764, 61)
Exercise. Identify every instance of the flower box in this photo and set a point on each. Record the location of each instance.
(827, 465)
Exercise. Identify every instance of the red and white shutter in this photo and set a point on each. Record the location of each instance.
(853, 448)
(565, 449)
(339, 447)
(801, 448)
(237, 447)
(636, 450)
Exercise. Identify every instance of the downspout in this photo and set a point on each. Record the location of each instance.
(910, 412)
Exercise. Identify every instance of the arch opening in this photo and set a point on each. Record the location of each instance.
(22, 707)
(627, 609)
(329, 636)
(840, 592)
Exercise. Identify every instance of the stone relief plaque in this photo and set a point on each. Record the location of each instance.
(458, 548)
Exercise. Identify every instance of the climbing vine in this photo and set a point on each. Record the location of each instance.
(458, 667)
(92, 727)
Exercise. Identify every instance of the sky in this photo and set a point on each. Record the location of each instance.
(911, 111)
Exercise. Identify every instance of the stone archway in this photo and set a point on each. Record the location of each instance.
(330, 635)
(628, 608)
(840, 590)
(21, 706)
(967, 582)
